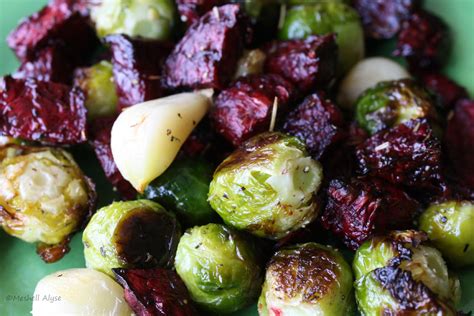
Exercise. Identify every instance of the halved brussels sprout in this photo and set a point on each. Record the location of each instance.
(390, 103)
(307, 279)
(131, 234)
(450, 227)
(44, 197)
(267, 186)
(98, 85)
(183, 188)
(219, 267)
(152, 19)
(328, 17)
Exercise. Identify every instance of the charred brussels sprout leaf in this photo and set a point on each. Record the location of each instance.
(267, 186)
(307, 279)
(390, 103)
(219, 267)
(450, 227)
(152, 19)
(132, 234)
(44, 197)
(328, 17)
(183, 189)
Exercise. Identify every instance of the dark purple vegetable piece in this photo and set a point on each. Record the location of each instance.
(307, 63)
(424, 41)
(245, 108)
(207, 55)
(61, 22)
(137, 65)
(191, 10)
(317, 122)
(407, 154)
(361, 207)
(382, 19)
(155, 292)
(447, 91)
(46, 112)
(99, 131)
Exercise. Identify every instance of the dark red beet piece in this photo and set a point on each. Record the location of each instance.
(361, 207)
(407, 154)
(47, 112)
(155, 292)
(61, 22)
(191, 10)
(100, 131)
(382, 19)
(137, 65)
(207, 55)
(245, 108)
(317, 122)
(447, 91)
(49, 64)
(459, 141)
(424, 41)
(307, 63)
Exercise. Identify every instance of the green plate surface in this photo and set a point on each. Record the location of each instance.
(21, 268)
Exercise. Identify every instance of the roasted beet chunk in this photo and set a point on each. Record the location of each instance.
(245, 108)
(63, 22)
(155, 292)
(383, 19)
(407, 154)
(317, 122)
(307, 63)
(207, 55)
(47, 112)
(424, 41)
(191, 10)
(459, 141)
(137, 65)
(447, 91)
(49, 64)
(99, 135)
(358, 208)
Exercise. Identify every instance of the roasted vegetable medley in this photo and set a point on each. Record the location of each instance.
(257, 155)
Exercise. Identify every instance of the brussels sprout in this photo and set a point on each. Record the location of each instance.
(132, 234)
(153, 19)
(390, 103)
(251, 63)
(307, 279)
(328, 17)
(44, 197)
(183, 189)
(267, 186)
(450, 227)
(97, 83)
(219, 267)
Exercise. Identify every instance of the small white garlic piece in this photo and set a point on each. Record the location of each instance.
(147, 137)
(79, 292)
(366, 74)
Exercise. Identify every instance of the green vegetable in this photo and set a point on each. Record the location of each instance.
(267, 186)
(390, 103)
(98, 85)
(307, 279)
(132, 234)
(328, 17)
(153, 19)
(219, 267)
(450, 227)
(183, 189)
(44, 196)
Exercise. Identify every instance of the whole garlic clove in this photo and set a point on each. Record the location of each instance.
(365, 74)
(147, 137)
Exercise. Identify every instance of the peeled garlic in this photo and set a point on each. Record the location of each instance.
(147, 137)
(365, 74)
(79, 292)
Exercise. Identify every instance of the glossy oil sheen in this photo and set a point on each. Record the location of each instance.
(21, 268)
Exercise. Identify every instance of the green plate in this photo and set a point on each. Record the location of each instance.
(21, 268)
